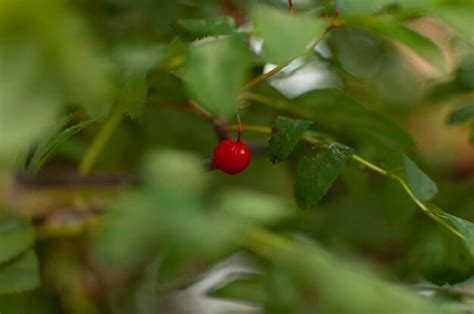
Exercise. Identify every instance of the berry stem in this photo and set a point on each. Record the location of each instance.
(239, 123)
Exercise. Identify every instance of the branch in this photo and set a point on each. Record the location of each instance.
(307, 137)
(308, 50)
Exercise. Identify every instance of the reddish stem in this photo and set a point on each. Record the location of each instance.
(290, 5)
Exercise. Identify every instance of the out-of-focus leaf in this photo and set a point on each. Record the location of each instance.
(361, 7)
(285, 135)
(465, 73)
(46, 148)
(20, 274)
(166, 214)
(442, 257)
(133, 93)
(462, 113)
(246, 289)
(317, 173)
(417, 42)
(63, 49)
(322, 275)
(421, 185)
(285, 37)
(35, 302)
(337, 112)
(16, 236)
(220, 25)
(458, 17)
(254, 207)
(215, 73)
(28, 103)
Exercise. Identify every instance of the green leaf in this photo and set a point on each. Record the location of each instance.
(141, 222)
(418, 182)
(28, 102)
(285, 136)
(313, 269)
(221, 25)
(461, 114)
(20, 274)
(285, 37)
(317, 173)
(46, 148)
(249, 289)
(16, 236)
(417, 42)
(215, 73)
(254, 207)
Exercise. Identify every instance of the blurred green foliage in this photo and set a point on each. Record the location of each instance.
(109, 111)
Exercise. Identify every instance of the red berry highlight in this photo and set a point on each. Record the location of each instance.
(231, 156)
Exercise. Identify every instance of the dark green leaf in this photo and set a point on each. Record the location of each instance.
(20, 274)
(16, 236)
(215, 73)
(285, 37)
(466, 228)
(47, 148)
(317, 173)
(462, 114)
(221, 25)
(420, 184)
(285, 136)
(338, 112)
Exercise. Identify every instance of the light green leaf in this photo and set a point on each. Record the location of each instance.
(417, 42)
(316, 174)
(221, 25)
(461, 114)
(20, 274)
(16, 236)
(215, 73)
(285, 136)
(249, 289)
(46, 148)
(420, 184)
(28, 102)
(314, 269)
(254, 207)
(285, 37)
(165, 215)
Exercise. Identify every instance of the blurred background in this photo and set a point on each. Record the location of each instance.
(106, 202)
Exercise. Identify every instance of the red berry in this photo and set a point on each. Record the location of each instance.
(231, 156)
